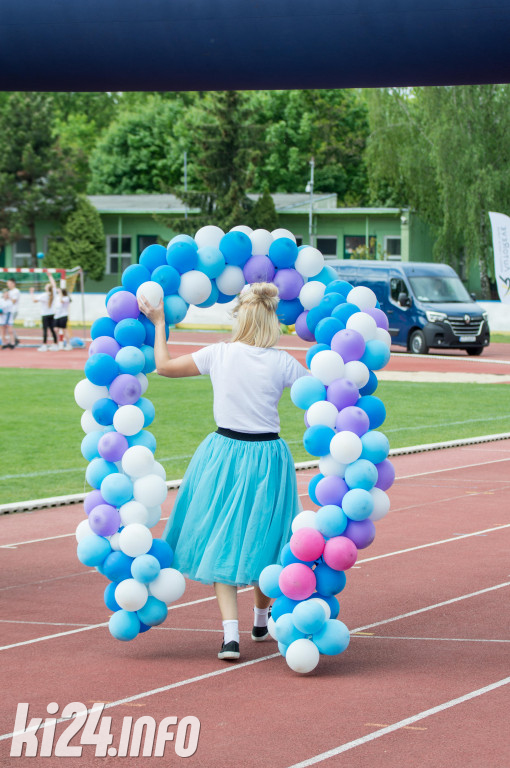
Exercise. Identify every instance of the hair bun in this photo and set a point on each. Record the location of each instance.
(261, 293)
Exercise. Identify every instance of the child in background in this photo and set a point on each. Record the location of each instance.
(61, 315)
(6, 307)
(14, 295)
(46, 302)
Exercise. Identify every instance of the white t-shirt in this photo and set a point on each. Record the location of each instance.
(62, 307)
(43, 304)
(14, 295)
(248, 383)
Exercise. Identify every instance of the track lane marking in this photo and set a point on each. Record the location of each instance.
(371, 636)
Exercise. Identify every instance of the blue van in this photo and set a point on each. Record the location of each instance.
(426, 303)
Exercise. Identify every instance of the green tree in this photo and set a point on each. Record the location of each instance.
(37, 176)
(263, 214)
(81, 242)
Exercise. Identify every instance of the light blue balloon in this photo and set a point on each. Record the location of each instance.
(148, 410)
(92, 550)
(130, 332)
(282, 605)
(358, 504)
(89, 445)
(361, 474)
(376, 447)
(175, 309)
(283, 649)
(98, 470)
(307, 390)
(168, 278)
(326, 275)
(333, 638)
(376, 354)
(154, 612)
(286, 631)
(130, 359)
(145, 568)
(124, 625)
(182, 256)
(144, 437)
(150, 360)
(331, 520)
(309, 617)
(182, 238)
(210, 261)
(117, 489)
(213, 296)
(312, 351)
(268, 580)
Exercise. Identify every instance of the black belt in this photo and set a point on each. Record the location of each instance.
(251, 437)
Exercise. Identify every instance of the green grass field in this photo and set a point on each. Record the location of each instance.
(41, 432)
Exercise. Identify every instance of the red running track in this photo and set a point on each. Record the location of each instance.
(427, 605)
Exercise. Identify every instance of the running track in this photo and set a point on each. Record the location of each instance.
(424, 682)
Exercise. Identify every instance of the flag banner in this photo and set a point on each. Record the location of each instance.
(501, 241)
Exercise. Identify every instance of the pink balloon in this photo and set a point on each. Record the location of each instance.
(307, 544)
(297, 581)
(340, 553)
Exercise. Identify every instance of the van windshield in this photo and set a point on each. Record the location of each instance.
(439, 290)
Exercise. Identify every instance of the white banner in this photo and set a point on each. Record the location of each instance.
(501, 241)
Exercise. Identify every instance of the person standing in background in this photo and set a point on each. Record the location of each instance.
(46, 302)
(14, 295)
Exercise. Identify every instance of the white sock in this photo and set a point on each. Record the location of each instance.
(260, 619)
(230, 631)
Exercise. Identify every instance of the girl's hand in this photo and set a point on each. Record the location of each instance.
(155, 314)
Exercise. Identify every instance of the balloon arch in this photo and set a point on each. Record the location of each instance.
(342, 416)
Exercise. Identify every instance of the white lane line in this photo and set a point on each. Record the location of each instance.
(436, 639)
(452, 469)
(400, 724)
(49, 623)
(35, 541)
(443, 424)
(431, 607)
(46, 581)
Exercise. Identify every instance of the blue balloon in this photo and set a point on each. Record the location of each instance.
(282, 605)
(312, 351)
(144, 627)
(107, 299)
(283, 649)
(92, 550)
(307, 390)
(339, 286)
(89, 444)
(312, 485)
(101, 369)
(117, 489)
(168, 278)
(331, 300)
(124, 625)
(103, 326)
(109, 597)
(376, 354)
(224, 299)
(329, 581)
(326, 329)
(331, 520)
(361, 474)
(287, 557)
(143, 438)
(333, 638)
(283, 252)
(175, 309)
(213, 296)
(117, 566)
(133, 276)
(343, 312)
(285, 629)
(317, 439)
(148, 410)
(358, 504)
(182, 256)
(130, 332)
(375, 447)
(150, 331)
(374, 408)
(130, 360)
(154, 612)
(268, 580)
(162, 551)
(210, 261)
(97, 470)
(145, 568)
(152, 257)
(370, 386)
(150, 360)
(289, 311)
(309, 617)
(236, 248)
(103, 411)
(326, 275)
(334, 605)
(316, 314)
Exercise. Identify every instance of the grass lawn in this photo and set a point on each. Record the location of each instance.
(41, 433)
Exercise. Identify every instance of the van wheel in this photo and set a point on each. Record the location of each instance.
(474, 350)
(417, 343)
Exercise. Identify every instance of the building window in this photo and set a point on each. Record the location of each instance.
(299, 240)
(355, 247)
(393, 248)
(22, 254)
(327, 246)
(143, 242)
(112, 254)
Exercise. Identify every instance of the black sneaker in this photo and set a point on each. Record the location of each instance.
(261, 633)
(229, 651)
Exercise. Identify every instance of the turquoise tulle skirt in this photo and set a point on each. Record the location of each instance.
(234, 510)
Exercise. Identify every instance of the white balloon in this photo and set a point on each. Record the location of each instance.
(329, 466)
(114, 541)
(152, 291)
(144, 382)
(168, 586)
(150, 490)
(345, 447)
(271, 627)
(138, 461)
(357, 372)
(327, 609)
(231, 281)
(327, 366)
(305, 519)
(322, 412)
(362, 297)
(309, 262)
(209, 236)
(302, 655)
(133, 512)
(381, 504)
(311, 294)
(276, 233)
(135, 539)
(158, 469)
(83, 530)
(154, 516)
(382, 334)
(86, 394)
(242, 228)
(261, 239)
(88, 422)
(128, 420)
(195, 287)
(131, 594)
(363, 324)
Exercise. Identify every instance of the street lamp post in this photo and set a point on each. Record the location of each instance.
(309, 188)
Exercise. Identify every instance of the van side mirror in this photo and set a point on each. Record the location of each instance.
(404, 300)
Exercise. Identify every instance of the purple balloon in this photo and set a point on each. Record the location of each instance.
(353, 419)
(104, 520)
(350, 345)
(331, 490)
(92, 500)
(342, 392)
(379, 316)
(122, 305)
(125, 389)
(259, 269)
(289, 283)
(112, 446)
(361, 532)
(385, 475)
(105, 344)
(302, 329)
